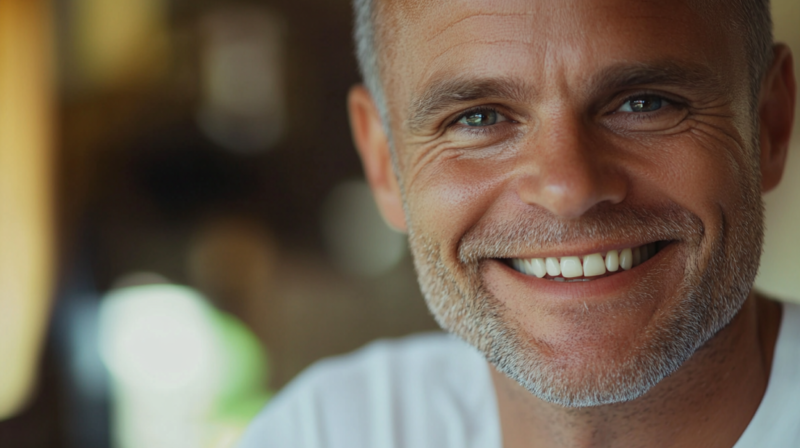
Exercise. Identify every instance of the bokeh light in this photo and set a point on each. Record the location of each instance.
(242, 104)
(182, 372)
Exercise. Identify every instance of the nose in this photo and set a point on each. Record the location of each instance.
(565, 171)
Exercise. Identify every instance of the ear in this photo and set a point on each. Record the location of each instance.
(776, 108)
(372, 144)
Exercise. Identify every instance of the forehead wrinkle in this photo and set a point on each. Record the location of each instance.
(474, 43)
(507, 34)
(399, 24)
(447, 92)
(477, 16)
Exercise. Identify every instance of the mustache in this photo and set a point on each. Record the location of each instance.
(535, 228)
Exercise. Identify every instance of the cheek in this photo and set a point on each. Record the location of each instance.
(702, 174)
(447, 199)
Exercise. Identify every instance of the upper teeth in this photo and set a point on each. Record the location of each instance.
(587, 265)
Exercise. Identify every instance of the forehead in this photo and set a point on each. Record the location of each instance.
(544, 41)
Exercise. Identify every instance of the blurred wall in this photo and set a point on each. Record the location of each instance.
(781, 261)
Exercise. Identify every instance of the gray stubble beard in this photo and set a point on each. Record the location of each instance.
(707, 300)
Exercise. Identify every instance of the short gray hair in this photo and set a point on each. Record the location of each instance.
(751, 17)
(754, 19)
(367, 53)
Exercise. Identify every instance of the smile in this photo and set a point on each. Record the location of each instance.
(587, 267)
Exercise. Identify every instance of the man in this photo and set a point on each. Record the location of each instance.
(581, 185)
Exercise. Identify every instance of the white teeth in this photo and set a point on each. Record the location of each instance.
(553, 267)
(593, 265)
(571, 267)
(531, 266)
(538, 267)
(626, 259)
(612, 261)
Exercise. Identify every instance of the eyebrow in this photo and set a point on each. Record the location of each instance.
(690, 76)
(445, 93)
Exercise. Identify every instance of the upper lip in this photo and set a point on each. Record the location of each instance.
(581, 249)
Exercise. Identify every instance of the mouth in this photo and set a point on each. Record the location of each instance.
(584, 268)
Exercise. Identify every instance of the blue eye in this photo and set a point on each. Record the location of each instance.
(481, 117)
(648, 103)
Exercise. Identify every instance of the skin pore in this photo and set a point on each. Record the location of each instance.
(554, 128)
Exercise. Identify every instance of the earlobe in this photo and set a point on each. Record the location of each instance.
(372, 144)
(776, 109)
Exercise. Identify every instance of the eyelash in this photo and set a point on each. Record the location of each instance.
(671, 103)
(474, 110)
(479, 131)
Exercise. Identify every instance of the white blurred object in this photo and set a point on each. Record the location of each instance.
(183, 374)
(357, 238)
(158, 337)
(242, 105)
(160, 345)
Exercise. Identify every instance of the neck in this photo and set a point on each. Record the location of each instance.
(708, 402)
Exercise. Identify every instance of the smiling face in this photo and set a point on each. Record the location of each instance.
(579, 182)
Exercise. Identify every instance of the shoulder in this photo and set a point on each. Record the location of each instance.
(775, 423)
(386, 391)
(401, 365)
(787, 348)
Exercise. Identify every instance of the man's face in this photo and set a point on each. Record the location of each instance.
(558, 129)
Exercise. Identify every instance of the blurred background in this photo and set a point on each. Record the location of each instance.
(183, 172)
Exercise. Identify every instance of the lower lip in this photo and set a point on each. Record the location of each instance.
(501, 280)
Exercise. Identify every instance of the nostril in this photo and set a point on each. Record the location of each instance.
(569, 180)
(567, 201)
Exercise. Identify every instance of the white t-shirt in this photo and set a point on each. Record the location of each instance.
(434, 391)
